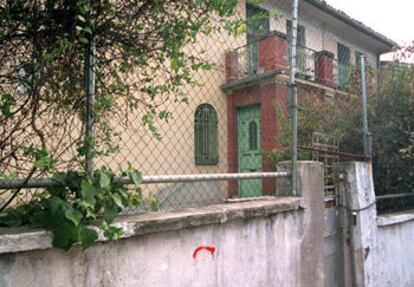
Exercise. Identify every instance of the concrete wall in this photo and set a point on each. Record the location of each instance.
(333, 257)
(257, 252)
(268, 242)
(378, 250)
(394, 256)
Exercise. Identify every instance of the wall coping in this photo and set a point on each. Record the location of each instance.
(395, 218)
(26, 239)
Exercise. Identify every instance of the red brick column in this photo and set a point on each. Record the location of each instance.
(232, 146)
(324, 68)
(272, 95)
(267, 96)
(232, 65)
(273, 52)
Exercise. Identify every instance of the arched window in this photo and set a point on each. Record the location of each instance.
(205, 135)
(253, 136)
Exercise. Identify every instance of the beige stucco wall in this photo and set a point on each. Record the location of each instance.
(175, 152)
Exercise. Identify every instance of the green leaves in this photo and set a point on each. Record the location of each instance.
(5, 105)
(134, 175)
(74, 215)
(87, 237)
(11, 217)
(67, 210)
(104, 180)
(88, 192)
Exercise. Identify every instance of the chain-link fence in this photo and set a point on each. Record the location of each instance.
(229, 114)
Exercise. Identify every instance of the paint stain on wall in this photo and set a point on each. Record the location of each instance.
(210, 249)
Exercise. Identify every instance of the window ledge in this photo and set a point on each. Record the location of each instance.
(395, 218)
(26, 239)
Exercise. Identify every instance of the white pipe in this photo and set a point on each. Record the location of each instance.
(149, 179)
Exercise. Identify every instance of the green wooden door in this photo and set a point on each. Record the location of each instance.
(249, 149)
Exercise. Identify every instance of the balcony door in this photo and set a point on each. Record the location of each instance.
(300, 46)
(344, 56)
(257, 26)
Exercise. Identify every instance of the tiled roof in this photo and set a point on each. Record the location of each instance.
(342, 16)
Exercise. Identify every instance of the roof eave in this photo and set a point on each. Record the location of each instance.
(355, 24)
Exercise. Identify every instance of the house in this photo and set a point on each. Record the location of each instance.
(230, 118)
(329, 44)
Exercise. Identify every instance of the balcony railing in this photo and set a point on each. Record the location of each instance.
(305, 63)
(271, 52)
(248, 59)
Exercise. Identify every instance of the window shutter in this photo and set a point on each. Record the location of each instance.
(205, 135)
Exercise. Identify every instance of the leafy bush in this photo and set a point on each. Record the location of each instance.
(392, 126)
(76, 201)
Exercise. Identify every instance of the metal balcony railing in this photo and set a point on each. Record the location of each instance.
(247, 58)
(305, 63)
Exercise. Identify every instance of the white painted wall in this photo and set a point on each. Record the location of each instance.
(383, 245)
(259, 252)
(275, 242)
(394, 256)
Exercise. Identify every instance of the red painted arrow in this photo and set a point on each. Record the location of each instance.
(210, 249)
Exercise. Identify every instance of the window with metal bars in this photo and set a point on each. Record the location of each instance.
(300, 46)
(206, 135)
(344, 55)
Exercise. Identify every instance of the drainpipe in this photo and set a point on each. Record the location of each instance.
(367, 135)
(294, 95)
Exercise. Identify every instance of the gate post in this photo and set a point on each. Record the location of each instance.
(358, 219)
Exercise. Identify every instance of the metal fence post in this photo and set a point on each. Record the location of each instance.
(90, 87)
(293, 94)
(366, 134)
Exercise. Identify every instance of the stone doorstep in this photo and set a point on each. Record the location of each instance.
(26, 239)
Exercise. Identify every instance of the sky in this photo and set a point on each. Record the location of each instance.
(394, 19)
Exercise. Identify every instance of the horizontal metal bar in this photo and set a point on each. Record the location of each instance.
(149, 179)
(329, 152)
(391, 196)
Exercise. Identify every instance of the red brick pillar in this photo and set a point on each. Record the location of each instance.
(232, 65)
(324, 68)
(271, 95)
(273, 52)
(232, 147)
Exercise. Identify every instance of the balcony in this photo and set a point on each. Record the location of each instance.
(271, 53)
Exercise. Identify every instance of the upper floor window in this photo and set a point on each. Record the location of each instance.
(344, 59)
(301, 37)
(301, 45)
(206, 135)
(257, 25)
